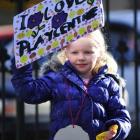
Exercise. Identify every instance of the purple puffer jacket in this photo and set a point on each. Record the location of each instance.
(102, 103)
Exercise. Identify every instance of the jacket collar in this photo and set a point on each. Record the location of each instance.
(71, 74)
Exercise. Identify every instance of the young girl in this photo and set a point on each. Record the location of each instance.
(82, 92)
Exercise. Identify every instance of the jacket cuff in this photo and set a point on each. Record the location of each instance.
(112, 122)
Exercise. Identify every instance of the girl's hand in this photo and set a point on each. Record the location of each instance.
(107, 135)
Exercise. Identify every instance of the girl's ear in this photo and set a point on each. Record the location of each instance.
(66, 52)
(100, 53)
(61, 56)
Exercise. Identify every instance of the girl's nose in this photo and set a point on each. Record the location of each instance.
(81, 56)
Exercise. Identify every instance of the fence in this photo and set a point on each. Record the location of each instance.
(18, 124)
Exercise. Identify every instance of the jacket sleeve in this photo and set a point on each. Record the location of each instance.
(117, 112)
(31, 90)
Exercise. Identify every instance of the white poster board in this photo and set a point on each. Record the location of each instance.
(51, 25)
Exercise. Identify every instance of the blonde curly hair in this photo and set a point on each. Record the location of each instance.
(97, 38)
(105, 57)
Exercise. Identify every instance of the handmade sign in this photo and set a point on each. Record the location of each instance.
(51, 25)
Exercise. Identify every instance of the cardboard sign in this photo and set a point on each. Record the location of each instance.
(50, 25)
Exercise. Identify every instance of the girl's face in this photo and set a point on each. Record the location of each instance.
(83, 55)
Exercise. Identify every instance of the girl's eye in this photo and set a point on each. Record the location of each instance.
(89, 52)
(74, 52)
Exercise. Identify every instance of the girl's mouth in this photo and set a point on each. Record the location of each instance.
(81, 65)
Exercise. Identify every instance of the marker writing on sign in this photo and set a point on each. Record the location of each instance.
(58, 8)
(56, 32)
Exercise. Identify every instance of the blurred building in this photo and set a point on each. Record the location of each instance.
(8, 8)
(122, 4)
